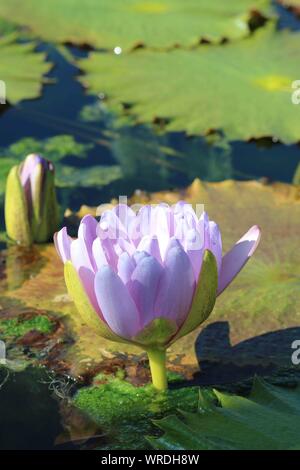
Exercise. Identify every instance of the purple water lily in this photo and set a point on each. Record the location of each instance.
(136, 268)
(30, 171)
(31, 211)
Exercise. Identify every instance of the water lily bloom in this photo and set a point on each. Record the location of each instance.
(31, 211)
(149, 277)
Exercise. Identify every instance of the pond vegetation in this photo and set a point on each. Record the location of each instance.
(183, 100)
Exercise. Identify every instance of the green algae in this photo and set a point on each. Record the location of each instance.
(125, 412)
(18, 328)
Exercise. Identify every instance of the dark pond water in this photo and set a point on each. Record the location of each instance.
(33, 422)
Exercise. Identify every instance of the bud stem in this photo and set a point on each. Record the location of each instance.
(157, 361)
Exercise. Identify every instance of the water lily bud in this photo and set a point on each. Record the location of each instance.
(31, 210)
(149, 278)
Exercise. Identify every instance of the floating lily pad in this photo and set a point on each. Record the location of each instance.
(127, 23)
(267, 420)
(56, 149)
(244, 89)
(21, 69)
(96, 176)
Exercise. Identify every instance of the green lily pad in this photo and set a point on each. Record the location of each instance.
(96, 176)
(267, 420)
(21, 69)
(244, 89)
(56, 149)
(127, 23)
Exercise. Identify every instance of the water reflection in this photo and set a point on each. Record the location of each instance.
(33, 422)
(20, 264)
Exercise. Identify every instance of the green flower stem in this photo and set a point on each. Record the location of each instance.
(157, 361)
